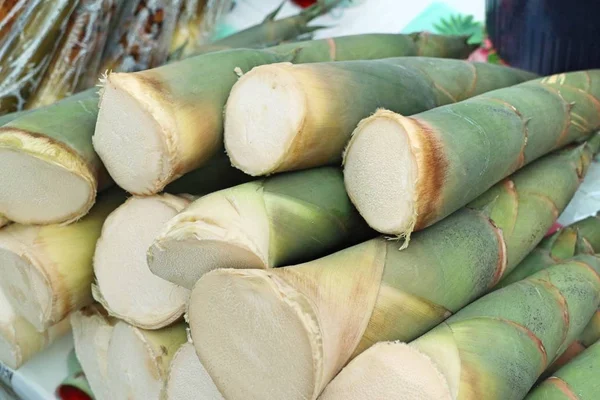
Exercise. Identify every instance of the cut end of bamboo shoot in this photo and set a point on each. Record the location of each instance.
(389, 371)
(27, 287)
(188, 378)
(265, 113)
(380, 173)
(138, 360)
(237, 318)
(92, 330)
(226, 229)
(19, 340)
(132, 135)
(125, 285)
(43, 181)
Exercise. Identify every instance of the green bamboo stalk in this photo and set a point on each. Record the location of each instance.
(588, 228)
(142, 37)
(406, 173)
(77, 55)
(271, 32)
(566, 244)
(27, 49)
(52, 162)
(47, 269)
(495, 348)
(262, 224)
(578, 380)
(329, 310)
(172, 116)
(286, 117)
(579, 238)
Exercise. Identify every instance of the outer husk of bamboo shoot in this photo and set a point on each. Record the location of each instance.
(92, 330)
(47, 269)
(332, 309)
(576, 380)
(124, 284)
(138, 360)
(188, 378)
(529, 323)
(19, 340)
(263, 224)
(277, 116)
(181, 124)
(54, 164)
(501, 131)
(566, 244)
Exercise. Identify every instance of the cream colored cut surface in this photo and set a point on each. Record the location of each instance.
(26, 287)
(252, 333)
(225, 229)
(188, 379)
(132, 144)
(389, 371)
(380, 173)
(91, 334)
(133, 373)
(39, 191)
(126, 286)
(264, 114)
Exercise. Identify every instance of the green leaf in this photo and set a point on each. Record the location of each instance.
(461, 25)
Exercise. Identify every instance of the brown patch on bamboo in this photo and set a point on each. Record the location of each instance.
(503, 258)
(563, 387)
(562, 302)
(430, 185)
(534, 339)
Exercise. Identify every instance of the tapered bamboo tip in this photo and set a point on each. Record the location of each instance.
(125, 285)
(43, 181)
(24, 282)
(380, 173)
(188, 378)
(132, 134)
(264, 115)
(256, 335)
(389, 371)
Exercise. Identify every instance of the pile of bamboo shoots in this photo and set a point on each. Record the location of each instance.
(362, 217)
